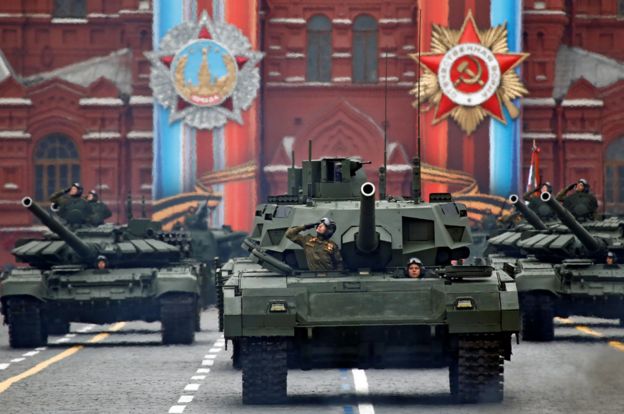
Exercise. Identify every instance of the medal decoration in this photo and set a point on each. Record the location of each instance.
(205, 73)
(469, 75)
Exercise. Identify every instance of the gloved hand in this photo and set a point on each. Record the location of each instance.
(67, 190)
(571, 186)
(310, 226)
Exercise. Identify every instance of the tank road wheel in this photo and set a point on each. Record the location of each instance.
(538, 312)
(264, 364)
(476, 371)
(178, 316)
(57, 327)
(26, 323)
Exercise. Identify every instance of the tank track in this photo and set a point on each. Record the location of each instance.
(27, 327)
(236, 354)
(265, 370)
(178, 318)
(538, 312)
(219, 298)
(476, 372)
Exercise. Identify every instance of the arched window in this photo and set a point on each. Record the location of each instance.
(364, 50)
(319, 49)
(614, 177)
(620, 8)
(57, 165)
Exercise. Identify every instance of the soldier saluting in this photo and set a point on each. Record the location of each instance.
(321, 253)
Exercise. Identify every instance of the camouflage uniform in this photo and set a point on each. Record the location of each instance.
(322, 255)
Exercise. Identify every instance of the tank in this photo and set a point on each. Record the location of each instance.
(564, 272)
(101, 275)
(280, 315)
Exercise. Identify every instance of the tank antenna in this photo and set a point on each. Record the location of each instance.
(419, 86)
(100, 159)
(416, 183)
(384, 170)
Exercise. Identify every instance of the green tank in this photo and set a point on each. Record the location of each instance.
(280, 315)
(101, 275)
(563, 272)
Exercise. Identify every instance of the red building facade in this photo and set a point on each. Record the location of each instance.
(575, 109)
(75, 101)
(75, 104)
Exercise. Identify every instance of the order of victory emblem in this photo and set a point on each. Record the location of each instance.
(468, 74)
(205, 73)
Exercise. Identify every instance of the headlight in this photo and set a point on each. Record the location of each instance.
(278, 307)
(464, 303)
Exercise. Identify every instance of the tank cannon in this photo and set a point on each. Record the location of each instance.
(85, 251)
(530, 216)
(367, 239)
(594, 246)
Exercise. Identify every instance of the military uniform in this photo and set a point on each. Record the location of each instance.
(322, 255)
(98, 212)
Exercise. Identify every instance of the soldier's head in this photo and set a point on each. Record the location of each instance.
(101, 262)
(611, 258)
(582, 186)
(414, 268)
(326, 228)
(546, 187)
(92, 196)
(75, 190)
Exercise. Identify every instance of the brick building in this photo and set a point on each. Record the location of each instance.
(75, 100)
(75, 103)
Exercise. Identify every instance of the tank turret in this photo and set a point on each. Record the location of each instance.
(594, 246)
(85, 251)
(528, 214)
(130, 245)
(371, 234)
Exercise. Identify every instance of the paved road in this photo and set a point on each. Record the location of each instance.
(122, 368)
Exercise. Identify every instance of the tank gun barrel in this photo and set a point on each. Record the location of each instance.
(528, 214)
(367, 239)
(83, 249)
(590, 242)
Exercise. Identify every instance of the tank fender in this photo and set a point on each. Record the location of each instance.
(543, 282)
(23, 284)
(176, 280)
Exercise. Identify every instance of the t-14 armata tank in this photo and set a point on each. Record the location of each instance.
(101, 275)
(361, 310)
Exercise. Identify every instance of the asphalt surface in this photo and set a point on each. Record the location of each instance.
(123, 368)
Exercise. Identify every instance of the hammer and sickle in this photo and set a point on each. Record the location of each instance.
(474, 77)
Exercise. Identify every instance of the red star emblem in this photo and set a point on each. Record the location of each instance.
(469, 74)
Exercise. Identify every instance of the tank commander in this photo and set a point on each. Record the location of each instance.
(542, 210)
(71, 193)
(321, 253)
(582, 203)
(98, 211)
(611, 260)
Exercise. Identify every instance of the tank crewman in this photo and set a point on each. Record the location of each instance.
(582, 203)
(415, 269)
(101, 262)
(542, 210)
(68, 195)
(321, 253)
(611, 260)
(98, 211)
